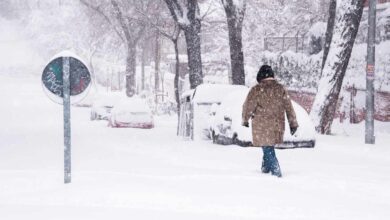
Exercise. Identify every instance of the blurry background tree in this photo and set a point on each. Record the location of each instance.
(161, 21)
(129, 25)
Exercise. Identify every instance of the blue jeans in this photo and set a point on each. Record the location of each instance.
(270, 162)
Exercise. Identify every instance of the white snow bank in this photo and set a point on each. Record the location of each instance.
(153, 174)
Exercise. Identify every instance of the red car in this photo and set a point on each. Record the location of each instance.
(131, 112)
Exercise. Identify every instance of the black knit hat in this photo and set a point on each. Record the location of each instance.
(264, 72)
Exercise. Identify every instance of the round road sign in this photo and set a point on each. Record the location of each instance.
(80, 79)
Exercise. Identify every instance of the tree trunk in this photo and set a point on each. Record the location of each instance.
(237, 57)
(329, 30)
(130, 70)
(157, 66)
(234, 21)
(192, 35)
(143, 69)
(192, 30)
(177, 76)
(349, 13)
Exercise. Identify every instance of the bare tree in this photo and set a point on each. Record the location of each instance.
(157, 59)
(187, 16)
(235, 12)
(124, 19)
(348, 16)
(171, 32)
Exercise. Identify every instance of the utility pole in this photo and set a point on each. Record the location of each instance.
(370, 73)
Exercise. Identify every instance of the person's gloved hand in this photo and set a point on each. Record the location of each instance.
(293, 130)
(245, 124)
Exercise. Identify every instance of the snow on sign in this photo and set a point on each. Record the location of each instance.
(63, 77)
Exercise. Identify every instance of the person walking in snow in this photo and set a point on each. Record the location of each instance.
(266, 104)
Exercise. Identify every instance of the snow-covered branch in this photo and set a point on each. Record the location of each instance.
(101, 12)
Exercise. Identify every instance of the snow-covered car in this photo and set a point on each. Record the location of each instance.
(196, 106)
(102, 105)
(131, 112)
(226, 128)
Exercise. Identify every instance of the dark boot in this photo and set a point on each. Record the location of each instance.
(265, 165)
(275, 168)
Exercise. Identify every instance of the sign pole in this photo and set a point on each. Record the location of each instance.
(63, 77)
(66, 104)
(370, 76)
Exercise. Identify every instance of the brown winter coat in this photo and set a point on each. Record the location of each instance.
(266, 104)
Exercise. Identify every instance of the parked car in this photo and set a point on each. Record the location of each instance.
(131, 112)
(225, 124)
(195, 108)
(102, 105)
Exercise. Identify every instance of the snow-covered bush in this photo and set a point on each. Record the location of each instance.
(294, 70)
(316, 36)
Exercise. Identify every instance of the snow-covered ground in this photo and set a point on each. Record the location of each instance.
(152, 174)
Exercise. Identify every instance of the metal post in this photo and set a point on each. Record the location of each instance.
(370, 73)
(66, 103)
